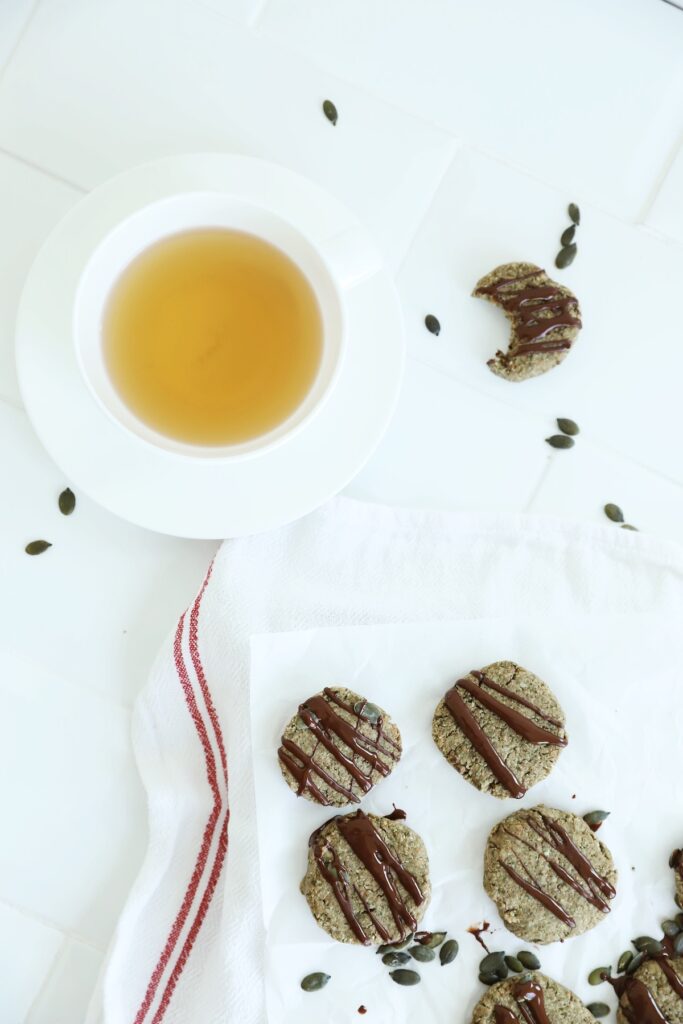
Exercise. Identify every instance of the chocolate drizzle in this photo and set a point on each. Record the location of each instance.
(383, 864)
(345, 741)
(537, 312)
(641, 1006)
(529, 998)
(523, 725)
(578, 873)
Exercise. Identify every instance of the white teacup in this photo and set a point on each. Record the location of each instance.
(329, 268)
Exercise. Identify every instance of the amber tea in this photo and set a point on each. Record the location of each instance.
(212, 336)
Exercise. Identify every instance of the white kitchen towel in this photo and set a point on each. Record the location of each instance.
(188, 948)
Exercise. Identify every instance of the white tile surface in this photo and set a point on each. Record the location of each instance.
(66, 992)
(27, 951)
(215, 87)
(584, 94)
(14, 15)
(666, 214)
(31, 203)
(125, 587)
(627, 280)
(70, 788)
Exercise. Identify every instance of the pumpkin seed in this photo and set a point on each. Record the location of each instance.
(330, 111)
(565, 256)
(568, 426)
(574, 213)
(404, 977)
(595, 819)
(67, 502)
(678, 945)
(636, 962)
(36, 547)
(627, 526)
(370, 712)
(492, 961)
(624, 960)
(432, 324)
(431, 939)
(598, 1009)
(395, 958)
(515, 964)
(422, 953)
(596, 975)
(488, 977)
(642, 942)
(529, 960)
(560, 441)
(671, 928)
(448, 952)
(503, 971)
(614, 513)
(314, 982)
(567, 235)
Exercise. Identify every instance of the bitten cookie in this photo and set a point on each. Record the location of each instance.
(676, 862)
(532, 998)
(367, 879)
(502, 728)
(548, 874)
(653, 993)
(337, 746)
(544, 316)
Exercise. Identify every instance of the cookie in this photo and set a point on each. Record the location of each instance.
(532, 998)
(337, 746)
(544, 316)
(501, 728)
(653, 994)
(367, 879)
(548, 874)
(676, 862)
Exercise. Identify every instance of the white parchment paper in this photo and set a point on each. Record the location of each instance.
(619, 680)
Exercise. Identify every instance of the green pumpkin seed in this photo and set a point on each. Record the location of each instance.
(36, 547)
(595, 819)
(529, 960)
(627, 526)
(503, 971)
(492, 961)
(574, 213)
(560, 441)
(596, 975)
(567, 235)
(395, 958)
(314, 982)
(598, 1009)
(642, 942)
(670, 928)
(403, 977)
(370, 712)
(488, 977)
(515, 964)
(565, 256)
(422, 953)
(330, 111)
(568, 426)
(624, 960)
(432, 324)
(636, 962)
(678, 945)
(448, 952)
(431, 939)
(67, 502)
(614, 513)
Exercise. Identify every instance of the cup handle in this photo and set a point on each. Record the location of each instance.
(351, 257)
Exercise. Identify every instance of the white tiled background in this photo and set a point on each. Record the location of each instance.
(464, 130)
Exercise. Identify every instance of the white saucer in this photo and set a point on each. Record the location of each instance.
(147, 485)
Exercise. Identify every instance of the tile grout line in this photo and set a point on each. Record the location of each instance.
(19, 39)
(43, 170)
(68, 934)
(538, 485)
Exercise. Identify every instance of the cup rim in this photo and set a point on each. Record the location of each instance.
(175, 448)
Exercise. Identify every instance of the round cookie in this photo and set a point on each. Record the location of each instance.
(548, 874)
(337, 746)
(676, 862)
(652, 994)
(558, 1005)
(367, 879)
(544, 316)
(502, 728)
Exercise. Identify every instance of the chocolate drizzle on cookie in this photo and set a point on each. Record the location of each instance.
(529, 997)
(345, 741)
(578, 872)
(478, 688)
(383, 864)
(641, 1006)
(538, 312)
